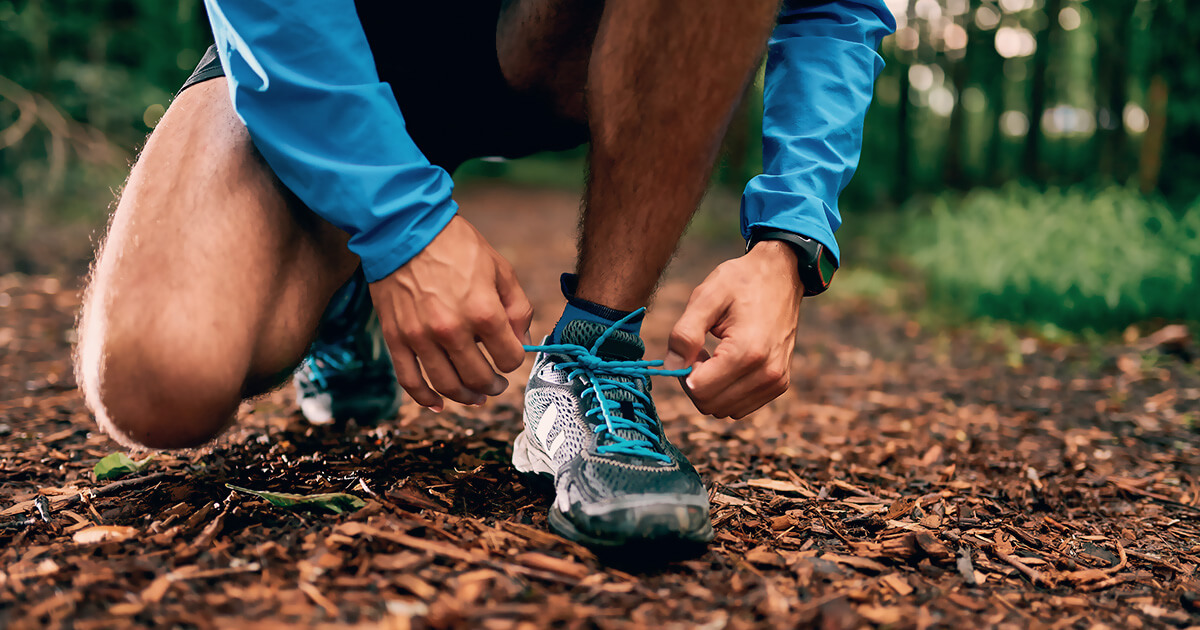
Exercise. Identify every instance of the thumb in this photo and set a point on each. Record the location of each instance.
(516, 305)
(686, 342)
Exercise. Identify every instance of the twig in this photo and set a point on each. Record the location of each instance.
(1103, 584)
(102, 491)
(1150, 495)
(19, 522)
(1034, 575)
(125, 484)
(1148, 557)
(849, 544)
(319, 599)
(856, 491)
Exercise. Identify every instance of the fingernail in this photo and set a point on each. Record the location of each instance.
(437, 408)
(498, 386)
(674, 361)
(689, 383)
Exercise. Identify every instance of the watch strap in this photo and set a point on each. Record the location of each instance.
(816, 263)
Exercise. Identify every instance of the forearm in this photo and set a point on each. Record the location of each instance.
(821, 67)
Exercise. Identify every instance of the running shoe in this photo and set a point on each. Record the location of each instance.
(591, 428)
(348, 372)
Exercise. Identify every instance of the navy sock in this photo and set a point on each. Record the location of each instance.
(578, 308)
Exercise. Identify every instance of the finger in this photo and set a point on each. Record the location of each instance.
(456, 338)
(473, 369)
(408, 374)
(686, 341)
(444, 377)
(757, 400)
(772, 379)
(516, 304)
(494, 331)
(718, 405)
(725, 370)
(743, 401)
(727, 399)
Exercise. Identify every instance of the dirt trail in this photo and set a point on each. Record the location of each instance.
(912, 478)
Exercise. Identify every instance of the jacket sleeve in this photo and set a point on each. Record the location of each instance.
(302, 78)
(821, 68)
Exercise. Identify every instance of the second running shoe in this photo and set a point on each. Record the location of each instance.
(348, 372)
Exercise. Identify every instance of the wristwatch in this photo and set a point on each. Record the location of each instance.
(817, 264)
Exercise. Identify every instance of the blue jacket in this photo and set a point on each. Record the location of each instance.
(334, 135)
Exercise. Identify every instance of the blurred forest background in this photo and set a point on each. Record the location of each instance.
(1036, 161)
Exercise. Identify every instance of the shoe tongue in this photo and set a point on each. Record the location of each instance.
(618, 346)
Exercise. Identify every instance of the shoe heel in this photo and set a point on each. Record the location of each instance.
(528, 458)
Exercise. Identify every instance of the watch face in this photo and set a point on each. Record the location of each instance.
(827, 267)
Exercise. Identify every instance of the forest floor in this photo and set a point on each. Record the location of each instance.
(912, 478)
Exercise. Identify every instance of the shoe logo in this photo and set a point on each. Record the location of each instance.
(559, 440)
(545, 425)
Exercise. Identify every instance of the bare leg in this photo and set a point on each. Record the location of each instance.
(657, 82)
(662, 85)
(210, 285)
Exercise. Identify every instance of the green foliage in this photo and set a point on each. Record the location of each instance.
(81, 83)
(117, 465)
(1076, 259)
(336, 502)
(555, 170)
(1173, 58)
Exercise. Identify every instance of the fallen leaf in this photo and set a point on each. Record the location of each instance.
(117, 465)
(336, 502)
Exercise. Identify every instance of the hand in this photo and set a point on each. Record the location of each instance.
(436, 310)
(751, 305)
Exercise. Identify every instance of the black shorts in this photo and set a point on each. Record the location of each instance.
(440, 60)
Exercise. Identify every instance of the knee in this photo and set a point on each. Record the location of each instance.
(152, 395)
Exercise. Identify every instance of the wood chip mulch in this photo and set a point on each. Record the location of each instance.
(913, 478)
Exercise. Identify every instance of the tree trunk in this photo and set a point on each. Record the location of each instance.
(1150, 164)
(903, 141)
(1034, 167)
(1111, 72)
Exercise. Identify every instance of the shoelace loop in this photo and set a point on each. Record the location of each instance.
(599, 373)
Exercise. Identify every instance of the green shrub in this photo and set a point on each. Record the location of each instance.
(1076, 259)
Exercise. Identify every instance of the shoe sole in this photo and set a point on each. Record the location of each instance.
(364, 411)
(660, 538)
(664, 543)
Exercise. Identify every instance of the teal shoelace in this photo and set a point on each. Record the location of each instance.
(334, 359)
(599, 373)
